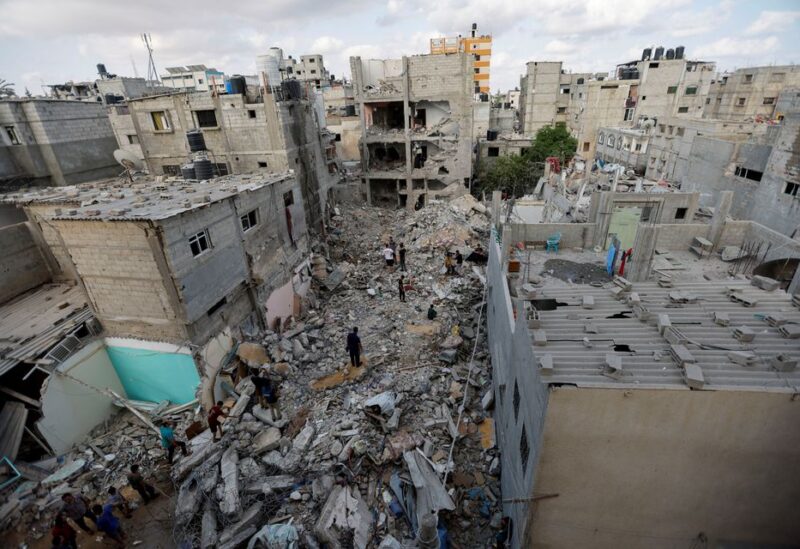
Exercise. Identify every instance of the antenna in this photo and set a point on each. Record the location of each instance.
(133, 63)
(152, 73)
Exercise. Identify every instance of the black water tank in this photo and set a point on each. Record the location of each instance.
(203, 169)
(113, 99)
(196, 140)
(659, 53)
(491, 135)
(634, 74)
(679, 52)
(292, 89)
(670, 54)
(187, 171)
(101, 70)
(646, 53)
(238, 84)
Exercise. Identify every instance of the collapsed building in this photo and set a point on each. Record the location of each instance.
(613, 390)
(416, 127)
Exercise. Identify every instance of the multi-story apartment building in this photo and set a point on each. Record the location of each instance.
(750, 92)
(416, 126)
(478, 46)
(549, 96)
(194, 78)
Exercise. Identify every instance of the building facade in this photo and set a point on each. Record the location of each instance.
(625, 146)
(416, 126)
(55, 142)
(750, 92)
(478, 46)
(194, 78)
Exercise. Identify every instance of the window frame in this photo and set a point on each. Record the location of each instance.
(164, 116)
(12, 135)
(792, 189)
(204, 124)
(249, 220)
(200, 240)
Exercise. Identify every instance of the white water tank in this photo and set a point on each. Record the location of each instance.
(270, 64)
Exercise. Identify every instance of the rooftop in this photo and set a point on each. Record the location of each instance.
(147, 198)
(697, 332)
(37, 320)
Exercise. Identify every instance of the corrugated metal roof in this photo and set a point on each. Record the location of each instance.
(649, 363)
(35, 321)
(146, 198)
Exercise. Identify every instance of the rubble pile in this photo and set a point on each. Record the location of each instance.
(359, 454)
(102, 461)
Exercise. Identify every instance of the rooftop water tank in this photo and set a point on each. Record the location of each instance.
(270, 64)
(679, 52)
(203, 169)
(238, 85)
(196, 140)
(659, 53)
(187, 171)
(646, 53)
(670, 54)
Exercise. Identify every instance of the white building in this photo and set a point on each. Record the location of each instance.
(194, 78)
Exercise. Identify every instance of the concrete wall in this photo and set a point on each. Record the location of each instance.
(70, 410)
(573, 235)
(623, 146)
(23, 266)
(654, 468)
(680, 236)
(60, 142)
(513, 365)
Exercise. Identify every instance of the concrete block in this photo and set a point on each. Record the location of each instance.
(663, 323)
(744, 334)
(546, 364)
(783, 363)
(587, 302)
(765, 283)
(539, 338)
(694, 376)
(682, 355)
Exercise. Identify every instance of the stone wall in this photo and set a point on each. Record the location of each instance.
(23, 267)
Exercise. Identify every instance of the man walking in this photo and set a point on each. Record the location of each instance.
(402, 253)
(169, 442)
(401, 287)
(213, 420)
(136, 480)
(354, 347)
(431, 312)
(267, 394)
(115, 499)
(388, 255)
(77, 508)
(109, 524)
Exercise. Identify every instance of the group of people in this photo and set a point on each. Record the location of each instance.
(453, 262)
(392, 252)
(77, 508)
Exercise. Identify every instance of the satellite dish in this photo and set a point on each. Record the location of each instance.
(128, 160)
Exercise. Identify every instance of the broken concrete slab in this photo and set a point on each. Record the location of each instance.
(188, 501)
(765, 283)
(208, 528)
(267, 485)
(251, 517)
(208, 454)
(252, 354)
(230, 505)
(344, 511)
(266, 440)
(303, 439)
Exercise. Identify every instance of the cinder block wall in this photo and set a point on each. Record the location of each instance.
(23, 267)
(573, 235)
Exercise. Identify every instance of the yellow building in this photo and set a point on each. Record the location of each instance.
(479, 46)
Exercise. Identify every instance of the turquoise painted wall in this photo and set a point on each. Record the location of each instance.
(155, 376)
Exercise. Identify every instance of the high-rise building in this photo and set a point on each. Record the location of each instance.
(480, 47)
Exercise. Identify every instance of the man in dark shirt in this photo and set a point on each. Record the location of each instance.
(431, 312)
(401, 286)
(137, 482)
(459, 261)
(213, 420)
(267, 394)
(109, 524)
(354, 347)
(402, 253)
(77, 508)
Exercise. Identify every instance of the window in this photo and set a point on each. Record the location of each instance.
(171, 169)
(777, 77)
(251, 113)
(719, 100)
(288, 198)
(11, 132)
(122, 109)
(662, 128)
(262, 164)
(611, 140)
(647, 211)
(249, 220)
(683, 109)
(741, 101)
(752, 175)
(580, 81)
(493, 151)
(652, 66)
(199, 243)
(680, 131)
(680, 213)
(708, 100)
(672, 89)
(562, 110)
(524, 450)
(644, 97)
(769, 101)
(310, 60)
(586, 146)
(670, 129)
(564, 90)
(337, 137)
(133, 139)
(638, 147)
(476, 70)
(160, 121)
(628, 114)
(601, 139)
(748, 78)
(691, 90)
(477, 58)
(792, 189)
(206, 119)
(619, 144)
(199, 80)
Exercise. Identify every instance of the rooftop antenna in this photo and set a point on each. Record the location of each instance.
(152, 73)
(133, 64)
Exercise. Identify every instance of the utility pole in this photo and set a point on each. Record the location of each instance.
(152, 73)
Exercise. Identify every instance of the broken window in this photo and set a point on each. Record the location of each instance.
(769, 101)
(384, 116)
(524, 450)
(691, 90)
(580, 81)
(672, 89)
(638, 147)
(792, 189)
(288, 198)
(652, 66)
(133, 139)
(160, 121)
(206, 118)
(313, 71)
(249, 220)
(122, 109)
(493, 151)
(683, 109)
(199, 242)
(680, 213)
(251, 113)
(337, 137)
(752, 175)
(262, 164)
(516, 401)
(13, 138)
(662, 128)
(586, 146)
(171, 169)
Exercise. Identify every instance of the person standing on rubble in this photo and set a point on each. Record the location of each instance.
(459, 261)
(63, 534)
(169, 442)
(401, 286)
(109, 524)
(115, 499)
(431, 312)
(354, 347)
(267, 394)
(402, 254)
(388, 255)
(136, 480)
(77, 509)
(449, 264)
(213, 420)
(393, 244)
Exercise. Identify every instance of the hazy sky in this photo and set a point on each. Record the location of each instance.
(51, 41)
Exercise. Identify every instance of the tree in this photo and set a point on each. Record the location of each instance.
(552, 141)
(6, 89)
(513, 174)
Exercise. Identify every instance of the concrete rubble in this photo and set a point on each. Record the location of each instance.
(358, 453)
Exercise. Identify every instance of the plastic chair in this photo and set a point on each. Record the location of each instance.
(552, 242)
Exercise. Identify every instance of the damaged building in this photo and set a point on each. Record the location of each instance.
(624, 400)
(416, 127)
